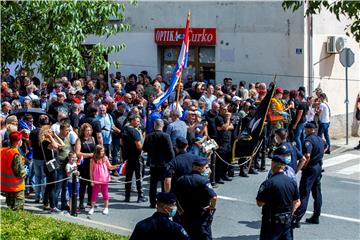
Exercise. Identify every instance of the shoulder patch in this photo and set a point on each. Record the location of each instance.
(307, 143)
(262, 188)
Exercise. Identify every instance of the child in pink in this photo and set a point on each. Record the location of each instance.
(99, 173)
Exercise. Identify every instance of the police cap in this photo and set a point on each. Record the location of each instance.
(167, 198)
(310, 125)
(283, 149)
(277, 158)
(280, 131)
(200, 161)
(181, 140)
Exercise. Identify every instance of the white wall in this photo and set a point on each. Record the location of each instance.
(261, 37)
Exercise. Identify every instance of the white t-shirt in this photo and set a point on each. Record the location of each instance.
(69, 168)
(324, 116)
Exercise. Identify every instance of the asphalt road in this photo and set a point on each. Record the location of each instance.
(237, 215)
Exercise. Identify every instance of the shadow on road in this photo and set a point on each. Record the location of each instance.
(241, 237)
(251, 224)
(126, 206)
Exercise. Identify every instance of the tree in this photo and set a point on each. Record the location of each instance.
(52, 33)
(349, 9)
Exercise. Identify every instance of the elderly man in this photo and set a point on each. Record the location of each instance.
(177, 128)
(5, 109)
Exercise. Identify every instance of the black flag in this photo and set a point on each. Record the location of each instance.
(247, 143)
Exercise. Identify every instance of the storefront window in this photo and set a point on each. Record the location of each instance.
(207, 55)
(170, 54)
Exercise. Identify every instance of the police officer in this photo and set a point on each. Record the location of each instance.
(313, 150)
(284, 152)
(179, 166)
(197, 199)
(279, 198)
(288, 148)
(159, 226)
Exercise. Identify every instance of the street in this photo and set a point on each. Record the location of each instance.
(238, 217)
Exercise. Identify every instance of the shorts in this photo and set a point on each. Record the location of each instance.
(70, 189)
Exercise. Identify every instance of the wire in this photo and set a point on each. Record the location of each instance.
(119, 182)
(254, 73)
(49, 183)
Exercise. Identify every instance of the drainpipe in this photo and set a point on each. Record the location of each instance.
(310, 53)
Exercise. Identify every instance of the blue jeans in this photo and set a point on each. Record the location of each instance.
(324, 129)
(61, 188)
(30, 177)
(40, 178)
(299, 136)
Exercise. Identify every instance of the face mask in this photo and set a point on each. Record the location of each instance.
(172, 212)
(287, 159)
(206, 173)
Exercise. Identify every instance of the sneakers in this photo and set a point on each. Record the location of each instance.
(55, 210)
(91, 211)
(106, 211)
(142, 199)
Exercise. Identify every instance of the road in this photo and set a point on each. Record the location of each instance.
(237, 215)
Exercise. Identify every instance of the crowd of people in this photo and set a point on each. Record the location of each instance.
(90, 127)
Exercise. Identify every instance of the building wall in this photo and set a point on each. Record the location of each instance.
(329, 74)
(255, 40)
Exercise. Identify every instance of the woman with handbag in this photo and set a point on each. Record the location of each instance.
(84, 148)
(50, 142)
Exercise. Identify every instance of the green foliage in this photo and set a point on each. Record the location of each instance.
(51, 33)
(24, 225)
(349, 9)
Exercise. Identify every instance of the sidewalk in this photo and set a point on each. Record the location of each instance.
(339, 145)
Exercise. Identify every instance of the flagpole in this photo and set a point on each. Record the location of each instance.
(179, 83)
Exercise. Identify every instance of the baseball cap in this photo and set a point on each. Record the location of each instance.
(76, 100)
(281, 150)
(279, 90)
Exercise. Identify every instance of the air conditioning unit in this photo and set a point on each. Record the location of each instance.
(335, 44)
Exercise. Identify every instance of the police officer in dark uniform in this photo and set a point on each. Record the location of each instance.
(295, 154)
(179, 166)
(197, 199)
(159, 226)
(313, 150)
(279, 198)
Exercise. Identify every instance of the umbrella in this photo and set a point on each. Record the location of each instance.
(35, 112)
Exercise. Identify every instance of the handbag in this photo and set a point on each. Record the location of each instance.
(52, 164)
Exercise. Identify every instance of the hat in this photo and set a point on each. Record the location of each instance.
(15, 137)
(79, 92)
(281, 150)
(121, 103)
(281, 131)
(181, 140)
(252, 107)
(279, 90)
(235, 98)
(76, 100)
(310, 125)
(277, 158)
(301, 88)
(200, 161)
(167, 198)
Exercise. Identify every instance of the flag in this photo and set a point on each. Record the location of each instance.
(180, 65)
(122, 167)
(247, 143)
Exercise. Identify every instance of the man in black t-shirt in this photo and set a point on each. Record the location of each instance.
(297, 123)
(131, 141)
(95, 124)
(59, 106)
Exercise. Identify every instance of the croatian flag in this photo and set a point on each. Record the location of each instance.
(181, 64)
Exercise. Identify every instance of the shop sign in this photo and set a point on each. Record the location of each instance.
(174, 36)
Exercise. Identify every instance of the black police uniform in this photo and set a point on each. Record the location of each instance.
(179, 166)
(194, 193)
(278, 194)
(159, 227)
(311, 176)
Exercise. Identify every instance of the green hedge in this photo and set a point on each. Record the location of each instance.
(25, 225)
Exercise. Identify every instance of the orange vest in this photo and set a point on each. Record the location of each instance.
(279, 107)
(9, 182)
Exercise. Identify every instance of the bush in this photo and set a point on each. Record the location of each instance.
(25, 225)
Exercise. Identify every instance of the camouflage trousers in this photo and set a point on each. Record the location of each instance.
(15, 200)
(274, 126)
